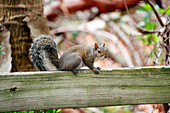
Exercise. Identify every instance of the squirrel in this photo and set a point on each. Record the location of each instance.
(44, 55)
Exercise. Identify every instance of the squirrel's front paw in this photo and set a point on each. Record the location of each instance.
(95, 71)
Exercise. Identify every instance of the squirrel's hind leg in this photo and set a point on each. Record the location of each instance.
(70, 63)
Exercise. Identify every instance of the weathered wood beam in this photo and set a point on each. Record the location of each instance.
(48, 90)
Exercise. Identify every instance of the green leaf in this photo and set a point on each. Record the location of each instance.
(150, 26)
(142, 9)
(144, 39)
(58, 110)
(23, 111)
(31, 112)
(166, 39)
(153, 52)
(0, 47)
(161, 10)
(54, 110)
(168, 10)
(75, 33)
(2, 52)
(149, 39)
(41, 111)
(155, 38)
(147, 6)
(49, 111)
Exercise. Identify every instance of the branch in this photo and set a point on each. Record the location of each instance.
(156, 13)
(140, 29)
(144, 31)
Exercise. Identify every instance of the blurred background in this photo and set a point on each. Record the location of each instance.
(136, 33)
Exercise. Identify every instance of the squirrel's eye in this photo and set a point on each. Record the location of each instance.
(99, 51)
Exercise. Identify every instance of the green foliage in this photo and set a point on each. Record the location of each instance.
(1, 51)
(168, 10)
(21, 112)
(58, 110)
(149, 38)
(41, 111)
(166, 39)
(147, 8)
(53, 111)
(149, 24)
(74, 34)
(155, 38)
(153, 53)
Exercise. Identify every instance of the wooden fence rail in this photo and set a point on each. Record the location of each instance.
(48, 90)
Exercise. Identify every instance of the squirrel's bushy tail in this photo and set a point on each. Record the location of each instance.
(44, 53)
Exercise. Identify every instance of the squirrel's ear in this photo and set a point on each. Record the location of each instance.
(103, 45)
(95, 46)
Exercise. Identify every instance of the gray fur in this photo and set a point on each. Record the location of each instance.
(44, 56)
(70, 62)
(44, 48)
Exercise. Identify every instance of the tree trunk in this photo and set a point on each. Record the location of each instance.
(18, 16)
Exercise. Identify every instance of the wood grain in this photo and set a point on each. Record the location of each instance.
(49, 90)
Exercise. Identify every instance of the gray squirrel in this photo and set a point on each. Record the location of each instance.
(44, 55)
